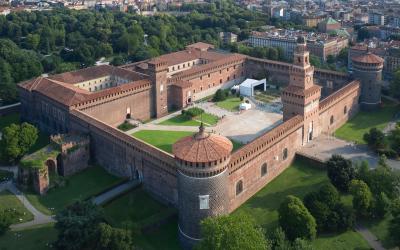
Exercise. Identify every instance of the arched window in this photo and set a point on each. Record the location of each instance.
(239, 187)
(264, 169)
(345, 110)
(332, 119)
(285, 154)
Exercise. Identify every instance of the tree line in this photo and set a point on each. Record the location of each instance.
(32, 43)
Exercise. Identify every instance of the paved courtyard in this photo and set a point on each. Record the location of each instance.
(242, 126)
(325, 146)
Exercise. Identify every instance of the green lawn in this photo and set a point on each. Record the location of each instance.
(231, 103)
(160, 138)
(355, 129)
(164, 139)
(80, 186)
(165, 238)
(9, 201)
(118, 216)
(36, 238)
(182, 120)
(8, 119)
(299, 179)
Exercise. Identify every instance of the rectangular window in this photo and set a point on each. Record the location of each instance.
(204, 201)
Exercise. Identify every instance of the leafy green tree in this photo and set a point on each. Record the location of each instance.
(362, 197)
(395, 84)
(5, 221)
(109, 238)
(375, 139)
(340, 172)
(381, 205)
(330, 59)
(77, 226)
(394, 230)
(220, 95)
(231, 232)
(17, 140)
(296, 220)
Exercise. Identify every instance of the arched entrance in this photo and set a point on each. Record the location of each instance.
(51, 165)
(60, 165)
(128, 113)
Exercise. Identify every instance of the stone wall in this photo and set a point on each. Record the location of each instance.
(338, 108)
(246, 163)
(114, 111)
(126, 156)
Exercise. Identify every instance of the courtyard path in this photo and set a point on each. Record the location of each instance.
(369, 237)
(39, 217)
(324, 146)
(115, 192)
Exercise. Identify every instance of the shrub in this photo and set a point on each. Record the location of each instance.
(5, 221)
(241, 98)
(193, 112)
(340, 172)
(375, 139)
(220, 95)
(296, 220)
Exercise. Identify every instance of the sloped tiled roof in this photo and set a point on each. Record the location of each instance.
(367, 58)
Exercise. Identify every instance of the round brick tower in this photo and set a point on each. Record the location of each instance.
(202, 161)
(368, 69)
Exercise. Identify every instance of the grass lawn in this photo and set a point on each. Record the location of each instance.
(164, 139)
(181, 120)
(8, 119)
(36, 238)
(80, 186)
(299, 179)
(9, 201)
(161, 139)
(165, 238)
(231, 103)
(360, 124)
(137, 199)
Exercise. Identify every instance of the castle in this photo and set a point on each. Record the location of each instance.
(203, 177)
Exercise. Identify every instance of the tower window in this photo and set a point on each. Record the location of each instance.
(285, 154)
(332, 120)
(239, 187)
(204, 201)
(345, 110)
(264, 169)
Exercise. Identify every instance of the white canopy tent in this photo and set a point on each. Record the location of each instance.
(246, 88)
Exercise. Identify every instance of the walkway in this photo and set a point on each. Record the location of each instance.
(325, 146)
(115, 192)
(39, 217)
(369, 237)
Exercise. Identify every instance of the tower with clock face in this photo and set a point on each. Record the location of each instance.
(301, 97)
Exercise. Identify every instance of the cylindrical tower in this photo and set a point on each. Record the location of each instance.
(368, 69)
(202, 161)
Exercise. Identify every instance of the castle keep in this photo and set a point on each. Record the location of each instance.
(203, 177)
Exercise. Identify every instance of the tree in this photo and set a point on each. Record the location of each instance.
(17, 140)
(394, 230)
(77, 225)
(375, 139)
(296, 220)
(5, 221)
(231, 232)
(220, 95)
(340, 172)
(330, 59)
(278, 241)
(395, 84)
(362, 197)
(381, 205)
(109, 238)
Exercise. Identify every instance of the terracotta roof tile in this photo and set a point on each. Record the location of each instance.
(367, 58)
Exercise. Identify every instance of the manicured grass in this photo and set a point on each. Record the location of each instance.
(161, 139)
(164, 139)
(165, 238)
(231, 103)
(36, 238)
(8, 119)
(299, 179)
(80, 186)
(380, 229)
(143, 210)
(355, 129)
(10, 202)
(182, 120)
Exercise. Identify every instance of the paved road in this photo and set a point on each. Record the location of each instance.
(39, 217)
(109, 195)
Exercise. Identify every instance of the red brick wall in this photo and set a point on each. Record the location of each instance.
(114, 112)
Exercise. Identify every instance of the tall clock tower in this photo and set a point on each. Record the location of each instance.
(301, 97)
